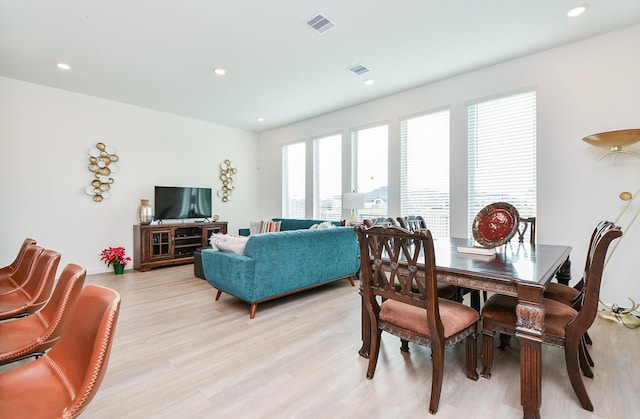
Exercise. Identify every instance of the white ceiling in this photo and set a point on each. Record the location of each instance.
(160, 54)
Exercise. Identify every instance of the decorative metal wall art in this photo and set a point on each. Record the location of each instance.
(227, 171)
(102, 163)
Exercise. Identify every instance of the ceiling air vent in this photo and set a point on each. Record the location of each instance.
(320, 24)
(359, 69)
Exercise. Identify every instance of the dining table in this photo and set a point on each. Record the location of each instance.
(522, 270)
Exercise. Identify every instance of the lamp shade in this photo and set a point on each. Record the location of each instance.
(353, 200)
(614, 138)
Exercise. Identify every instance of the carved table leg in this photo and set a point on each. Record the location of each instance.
(366, 328)
(564, 274)
(529, 328)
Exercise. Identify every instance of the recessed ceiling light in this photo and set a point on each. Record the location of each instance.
(577, 10)
(220, 71)
(63, 66)
(368, 82)
(260, 119)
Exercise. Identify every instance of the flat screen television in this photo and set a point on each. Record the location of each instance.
(176, 202)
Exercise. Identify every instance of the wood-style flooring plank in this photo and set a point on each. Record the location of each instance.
(178, 353)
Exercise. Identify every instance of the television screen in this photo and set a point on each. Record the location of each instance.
(173, 202)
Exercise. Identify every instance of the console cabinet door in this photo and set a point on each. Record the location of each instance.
(159, 244)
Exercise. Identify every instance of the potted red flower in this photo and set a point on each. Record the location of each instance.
(115, 256)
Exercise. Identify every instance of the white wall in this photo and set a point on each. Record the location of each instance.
(584, 88)
(45, 135)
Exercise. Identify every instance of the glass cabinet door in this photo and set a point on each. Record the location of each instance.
(160, 244)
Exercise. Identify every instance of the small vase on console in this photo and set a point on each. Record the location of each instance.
(145, 212)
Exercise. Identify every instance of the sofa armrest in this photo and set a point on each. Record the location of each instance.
(230, 273)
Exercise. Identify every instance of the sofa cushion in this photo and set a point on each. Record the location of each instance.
(228, 243)
(300, 224)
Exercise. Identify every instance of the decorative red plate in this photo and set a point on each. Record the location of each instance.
(495, 224)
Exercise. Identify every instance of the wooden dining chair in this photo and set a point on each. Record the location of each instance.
(526, 227)
(412, 222)
(380, 221)
(564, 326)
(36, 290)
(399, 267)
(572, 296)
(62, 382)
(31, 336)
(13, 266)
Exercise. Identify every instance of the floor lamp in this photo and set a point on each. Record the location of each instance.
(353, 201)
(615, 140)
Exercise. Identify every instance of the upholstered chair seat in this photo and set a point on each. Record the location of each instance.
(454, 318)
(501, 309)
(561, 293)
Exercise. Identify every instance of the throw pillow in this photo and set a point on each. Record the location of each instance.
(270, 226)
(254, 227)
(326, 224)
(228, 243)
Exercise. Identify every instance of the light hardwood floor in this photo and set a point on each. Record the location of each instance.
(179, 354)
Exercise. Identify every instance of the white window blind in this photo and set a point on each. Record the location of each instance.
(327, 178)
(293, 179)
(502, 154)
(424, 180)
(369, 165)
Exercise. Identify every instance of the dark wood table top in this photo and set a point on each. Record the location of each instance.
(512, 263)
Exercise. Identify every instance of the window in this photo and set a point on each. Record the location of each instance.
(369, 165)
(424, 178)
(502, 153)
(327, 178)
(293, 179)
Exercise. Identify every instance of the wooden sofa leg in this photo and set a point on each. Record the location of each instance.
(350, 278)
(254, 307)
(218, 295)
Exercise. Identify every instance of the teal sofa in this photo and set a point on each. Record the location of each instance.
(282, 263)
